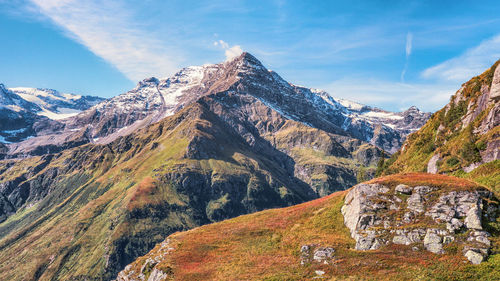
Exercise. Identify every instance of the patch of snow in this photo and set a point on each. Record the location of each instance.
(15, 108)
(392, 126)
(2, 139)
(63, 113)
(385, 115)
(10, 132)
(350, 104)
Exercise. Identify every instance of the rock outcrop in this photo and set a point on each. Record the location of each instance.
(424, 217)
(148, 270)
(315, 254)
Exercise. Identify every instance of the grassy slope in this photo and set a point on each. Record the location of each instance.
(458, 146)
(265, 246)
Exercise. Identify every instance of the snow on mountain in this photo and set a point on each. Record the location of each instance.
(153, 99)
(56, 105)
(28, 112)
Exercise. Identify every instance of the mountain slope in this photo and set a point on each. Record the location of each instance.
(236, 141)
(461, 138)
(129, 194)
(310, 241)
(219, 157)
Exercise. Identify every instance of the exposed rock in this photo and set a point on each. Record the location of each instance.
(148, 268)
(401, 239)
(474, 257)
(433, 242)
(323, 254)
(312, 253)
(495, 85)
(432, 165)
(403, 189)
(367, 207)
(157, 275)
(473, 218)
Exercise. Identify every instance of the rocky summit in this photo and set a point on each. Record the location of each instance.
(93, 120)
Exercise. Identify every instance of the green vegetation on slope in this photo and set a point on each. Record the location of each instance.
(457, 134)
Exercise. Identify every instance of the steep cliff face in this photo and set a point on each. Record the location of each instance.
(462, 137)
(401, 227)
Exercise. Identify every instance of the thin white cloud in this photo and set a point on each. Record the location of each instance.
(230, 52)
(392, 95)
(473, 62)
(409, 39)
(107, 29)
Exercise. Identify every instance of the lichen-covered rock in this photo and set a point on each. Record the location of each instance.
(313, 253)
(376, 215)
(403, 189)
(433, 241)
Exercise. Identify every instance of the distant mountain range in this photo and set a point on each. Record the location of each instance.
(28, 112)
(75, 120)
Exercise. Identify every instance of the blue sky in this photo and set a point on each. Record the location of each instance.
(391, 54)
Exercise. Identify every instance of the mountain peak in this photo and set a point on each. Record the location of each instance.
(413, 108)
(246, 60)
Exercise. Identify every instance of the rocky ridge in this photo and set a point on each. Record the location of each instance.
(153, 99)
(423, 217)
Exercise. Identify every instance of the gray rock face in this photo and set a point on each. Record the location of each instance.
(376, 216)
(474, 257)
(432, 165)
(433, 241)
(495, 85)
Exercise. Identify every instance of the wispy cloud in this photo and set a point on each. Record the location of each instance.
(409, 39)
(409, 43)
(107, 28)
(230, 52)
(473, 62)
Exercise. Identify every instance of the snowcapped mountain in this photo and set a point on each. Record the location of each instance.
(56, 105)
(28, 112)
(153, 99)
